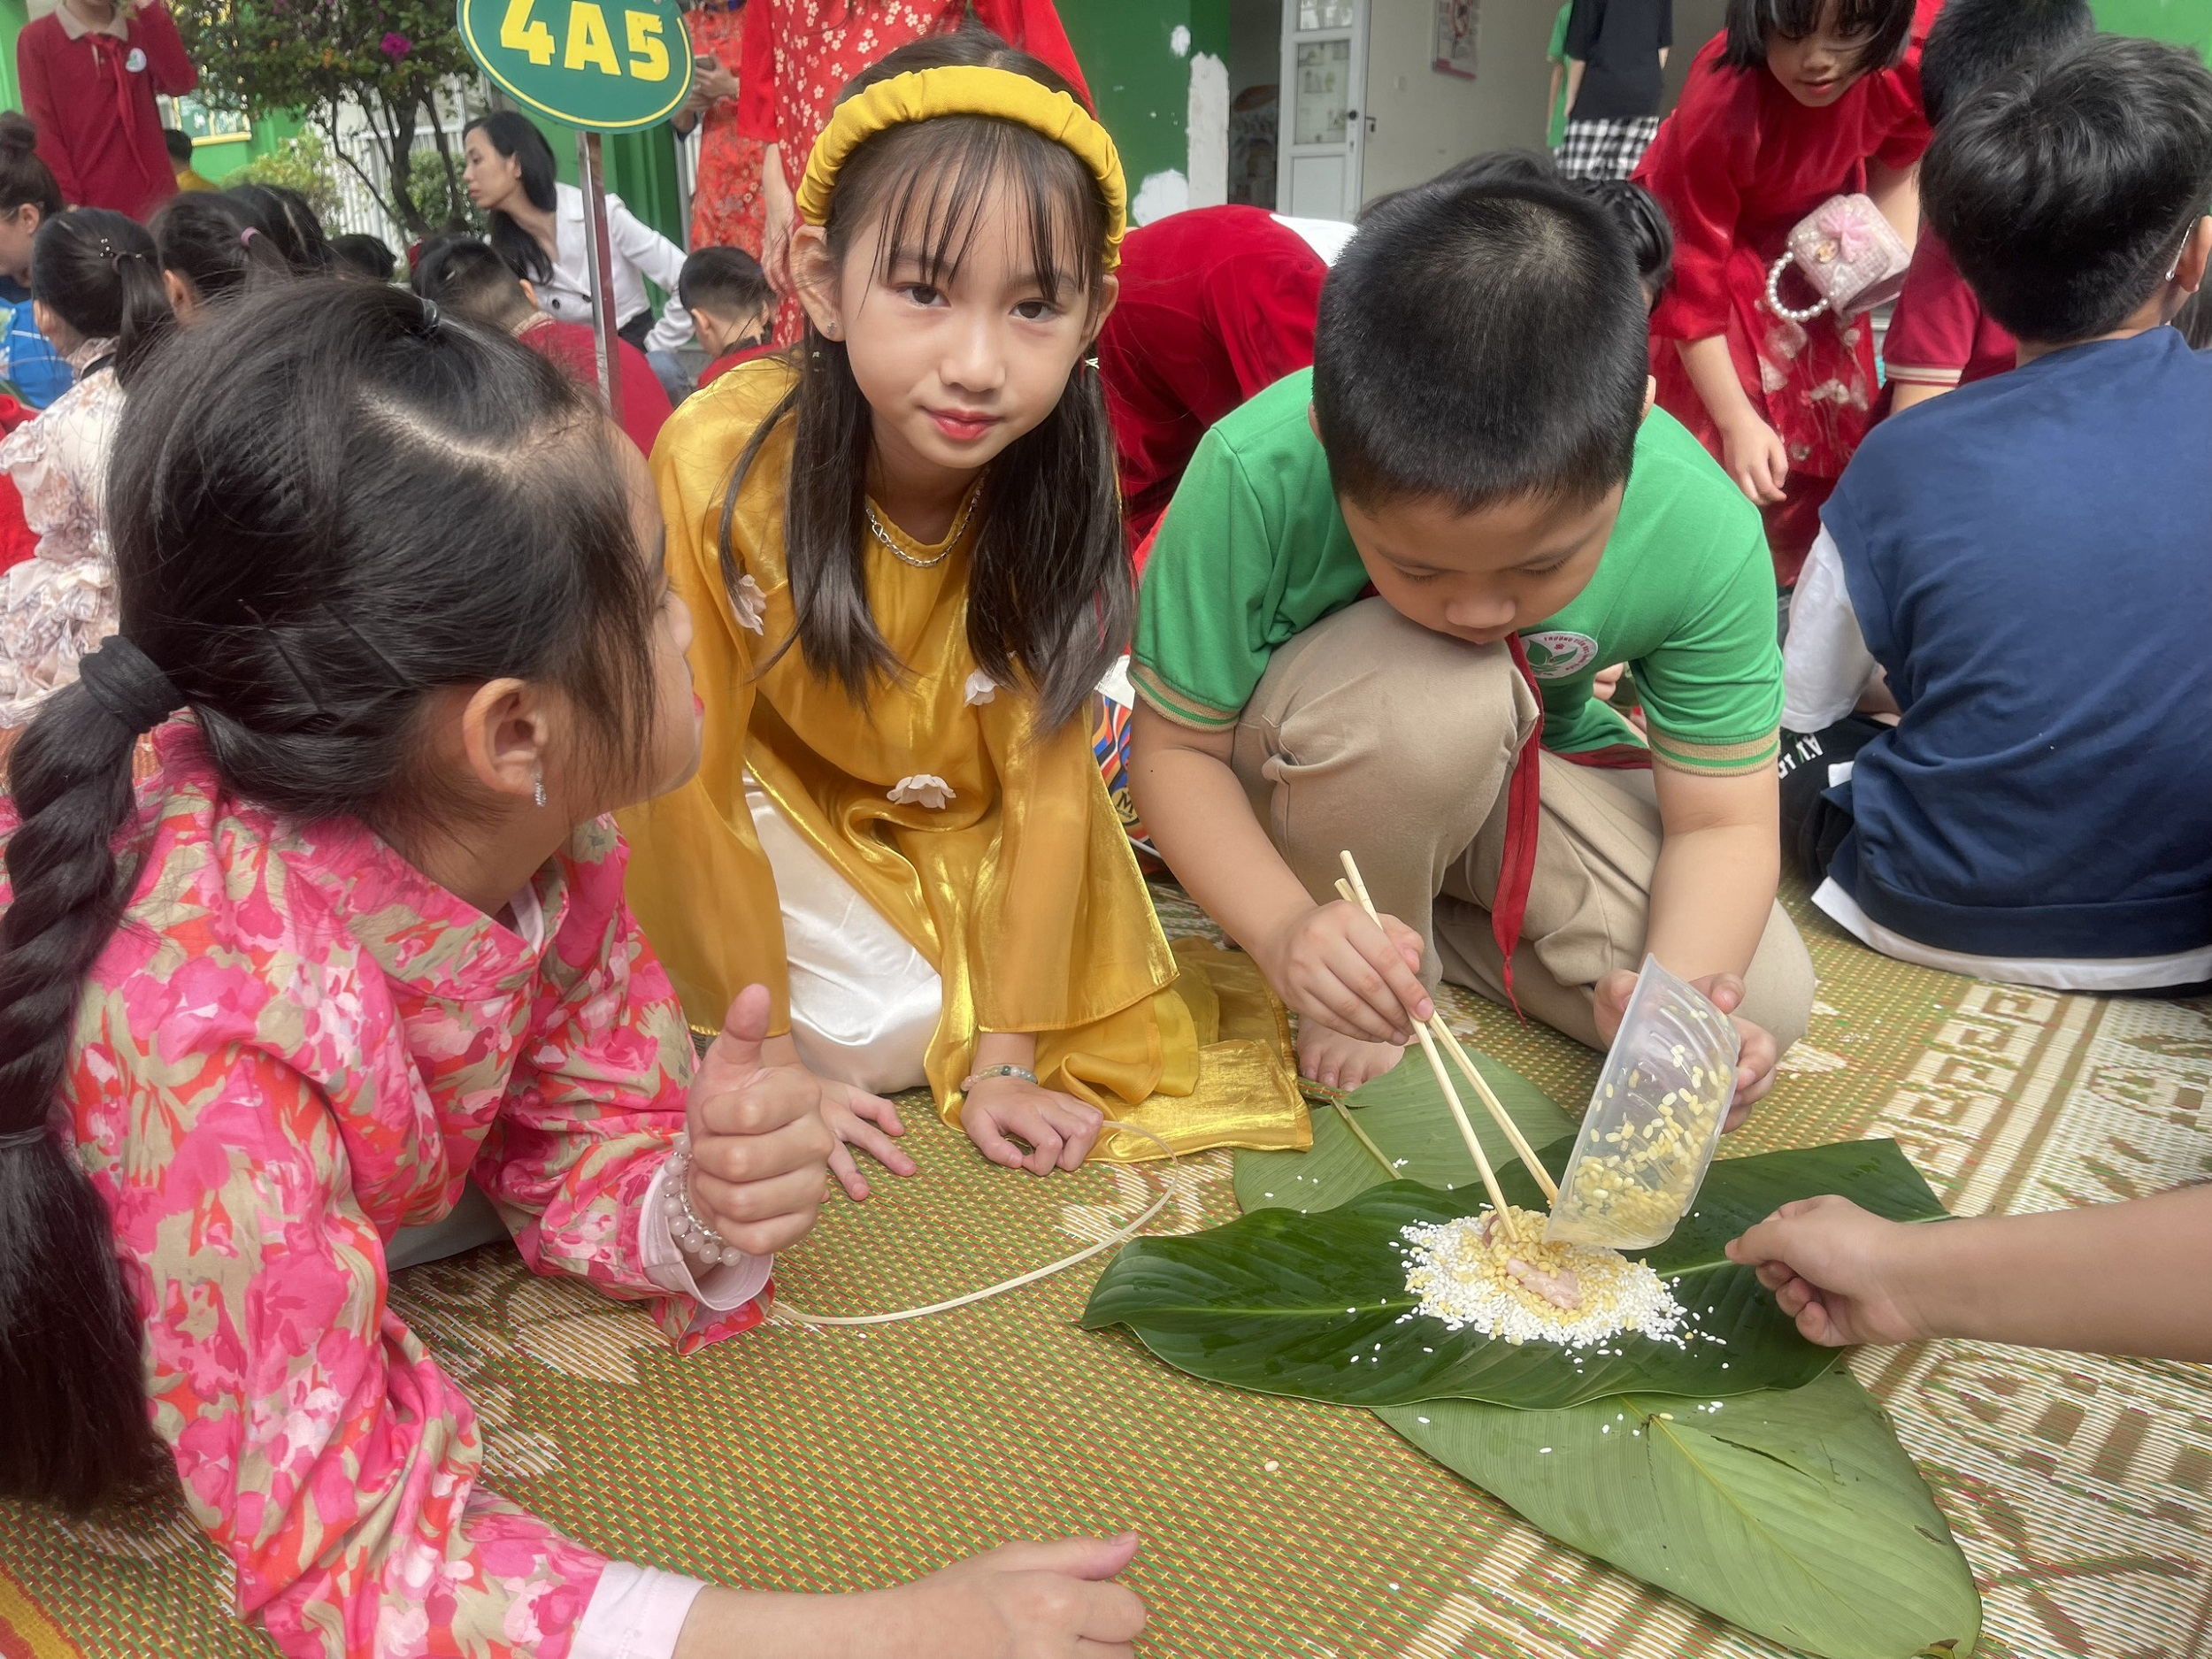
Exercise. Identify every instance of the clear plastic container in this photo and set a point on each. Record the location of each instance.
(1654, 1120)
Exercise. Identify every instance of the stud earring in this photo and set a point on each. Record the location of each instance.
(539, 791)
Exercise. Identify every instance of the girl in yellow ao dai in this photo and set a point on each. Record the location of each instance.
(899, 823)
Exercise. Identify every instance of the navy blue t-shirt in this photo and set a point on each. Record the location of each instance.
(2031, 559)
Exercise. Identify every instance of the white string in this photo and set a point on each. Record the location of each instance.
(1061, 1266)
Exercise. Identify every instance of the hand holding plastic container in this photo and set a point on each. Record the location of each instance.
(1654, 1120)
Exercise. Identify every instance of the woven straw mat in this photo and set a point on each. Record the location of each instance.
(800, 1460)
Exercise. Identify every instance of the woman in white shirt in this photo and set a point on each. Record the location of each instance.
(537, 225)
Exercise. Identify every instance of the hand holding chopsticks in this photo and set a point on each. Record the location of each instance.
(1436, 1030)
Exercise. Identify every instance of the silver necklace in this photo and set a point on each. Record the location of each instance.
(882, 534)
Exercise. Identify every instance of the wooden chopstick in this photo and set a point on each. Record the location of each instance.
(1443, 1078)
(1497, 1111)
(1356, 893)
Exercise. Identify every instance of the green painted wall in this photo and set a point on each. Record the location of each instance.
(14, 15)
(2187, 21)
(1141, 87)
(217, 158)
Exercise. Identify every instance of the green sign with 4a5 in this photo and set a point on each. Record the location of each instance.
(610, 65)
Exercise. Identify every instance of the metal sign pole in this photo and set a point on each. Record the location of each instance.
(591, 170)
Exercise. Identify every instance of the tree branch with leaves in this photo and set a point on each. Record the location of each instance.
(389, 58)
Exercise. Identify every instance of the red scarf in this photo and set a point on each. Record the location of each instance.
(113, 54)
(1517, 867)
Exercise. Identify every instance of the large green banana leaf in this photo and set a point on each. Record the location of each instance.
(1405, 1118)
(1315, 1305)
(1792, 1512)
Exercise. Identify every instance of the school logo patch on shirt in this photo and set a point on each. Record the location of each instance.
(1556, 654)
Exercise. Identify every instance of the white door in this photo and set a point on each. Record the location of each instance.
(1324, 90)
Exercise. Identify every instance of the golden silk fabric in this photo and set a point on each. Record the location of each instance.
(1020, 888)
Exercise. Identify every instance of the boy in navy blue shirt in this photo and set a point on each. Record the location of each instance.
(2028, 563)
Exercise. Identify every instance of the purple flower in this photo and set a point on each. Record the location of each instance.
(396, 46)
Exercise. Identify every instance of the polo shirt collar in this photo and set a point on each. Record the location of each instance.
(76, 28)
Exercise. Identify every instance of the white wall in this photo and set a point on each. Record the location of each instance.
(1425, 120)
(1695, 22)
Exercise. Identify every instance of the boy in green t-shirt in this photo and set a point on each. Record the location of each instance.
(1475, 446)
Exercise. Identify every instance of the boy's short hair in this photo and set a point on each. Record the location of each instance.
(359, 254)
(1972, 41)
(1480, 343)
(180, 146)
(2064, 189)
(1886, 25)
(469, 278)
(727, 281)
(1643, 219)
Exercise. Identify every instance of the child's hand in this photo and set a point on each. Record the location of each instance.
(1841, 1273)
(1755, 1059)
(1017, 1601)
(1058, 1129)
(760, 1150)
(1334, 965)
(869, 1122)
(1755, 456)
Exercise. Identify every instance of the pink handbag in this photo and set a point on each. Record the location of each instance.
(1848, 254)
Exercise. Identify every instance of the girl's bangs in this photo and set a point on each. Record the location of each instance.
(935, 180)
(1794, 20)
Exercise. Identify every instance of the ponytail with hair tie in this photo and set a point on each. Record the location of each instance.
(100, 273)
(128, 684)
(208, 241)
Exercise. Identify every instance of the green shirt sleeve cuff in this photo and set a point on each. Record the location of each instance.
(1179, 706)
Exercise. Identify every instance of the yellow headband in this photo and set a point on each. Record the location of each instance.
(922, 94)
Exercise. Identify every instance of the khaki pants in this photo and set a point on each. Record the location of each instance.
(1371, 732)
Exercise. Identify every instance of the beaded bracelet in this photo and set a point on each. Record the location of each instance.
(1020, 1073)
(685, 1224)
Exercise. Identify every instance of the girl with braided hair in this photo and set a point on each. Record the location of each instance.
(395, 612)
(97, 294)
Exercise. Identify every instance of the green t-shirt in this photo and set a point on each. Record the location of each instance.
(1253, 551)
(1556, 134)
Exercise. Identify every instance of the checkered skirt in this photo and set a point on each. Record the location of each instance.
(1606, 149)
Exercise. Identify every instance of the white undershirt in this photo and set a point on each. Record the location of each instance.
(2095, 974)
(1826, 667)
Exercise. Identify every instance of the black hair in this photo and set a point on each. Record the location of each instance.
(727, 280)
(1050, 593)
(1643, 219)
(1972, 40)
(1481, 343)
(180, 144)
(513, 135)
(99, 271)
(325, 506)
(284, 218)
(23, 179)
(1492, 166)
(2065, 189)
(1883, 28)
(467, 278)
(358, 254)
(206, 240)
